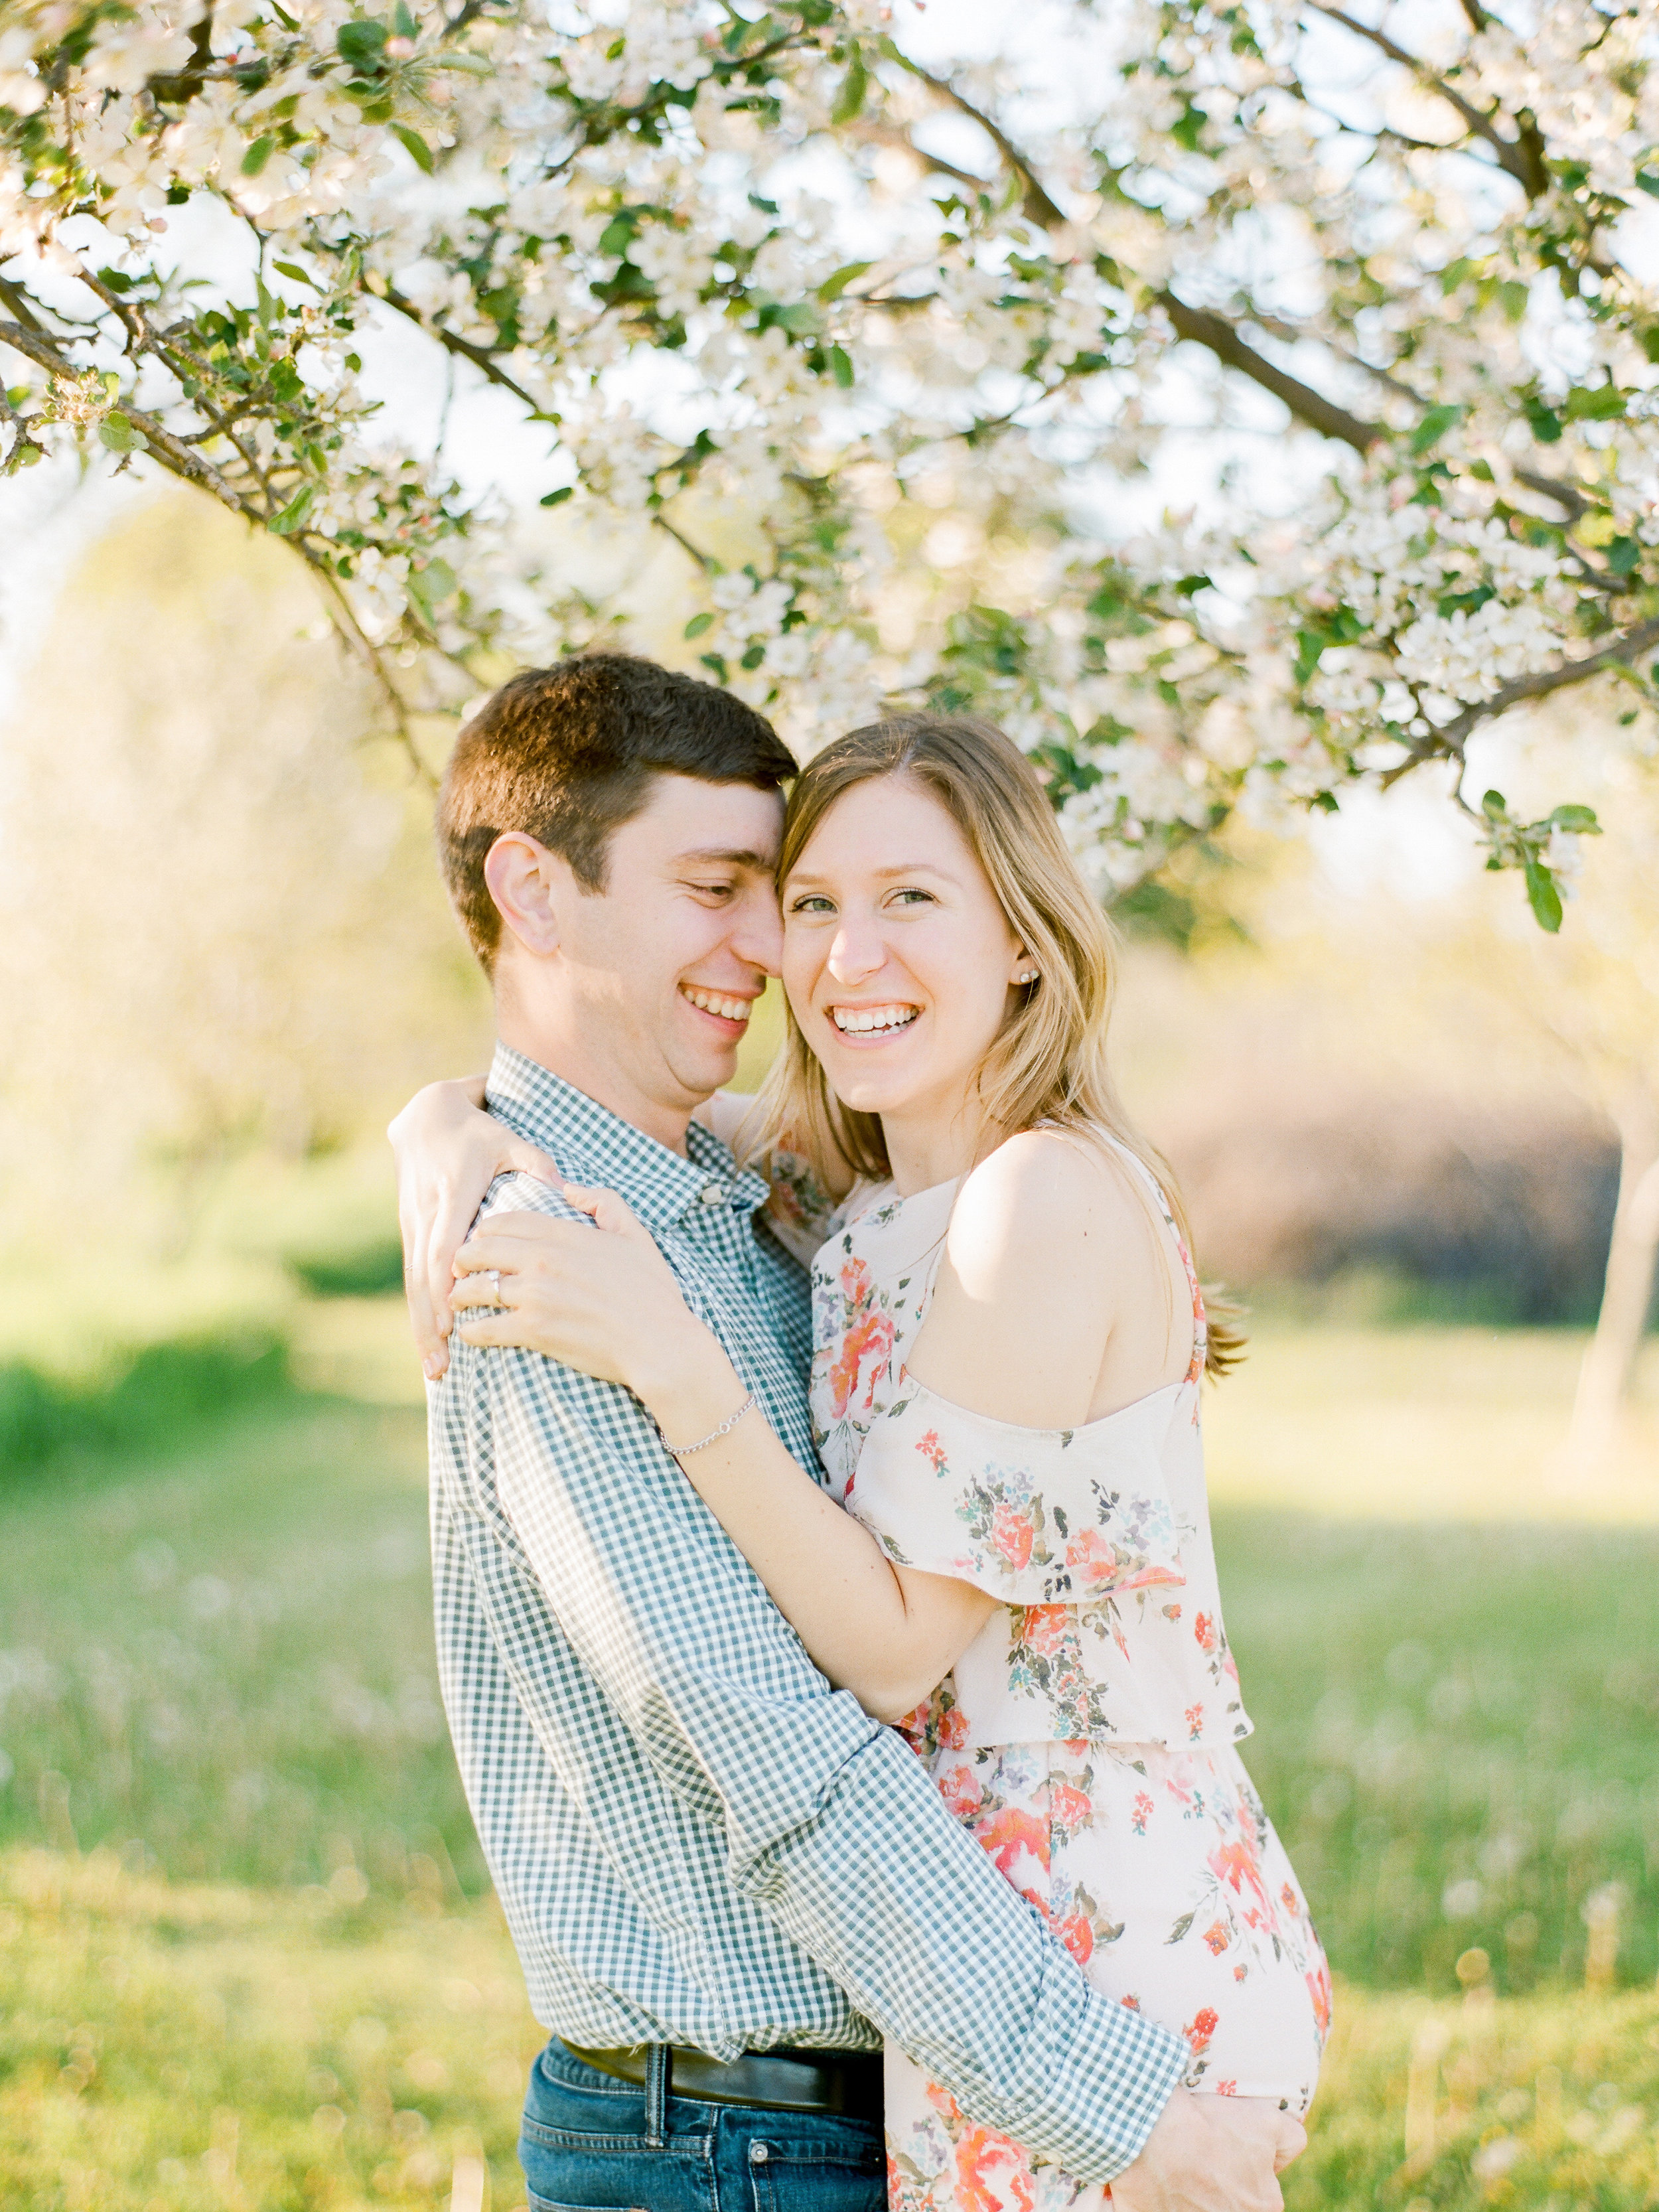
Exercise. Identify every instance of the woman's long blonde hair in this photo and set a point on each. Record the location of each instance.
(1049, 1064)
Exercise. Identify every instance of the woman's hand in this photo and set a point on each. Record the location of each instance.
(608, 1304)
(448, 1152)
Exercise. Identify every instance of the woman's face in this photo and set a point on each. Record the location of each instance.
(897, 959)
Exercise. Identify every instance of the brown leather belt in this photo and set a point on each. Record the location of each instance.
(847, 2083)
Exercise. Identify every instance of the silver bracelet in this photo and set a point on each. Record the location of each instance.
(684, 1451)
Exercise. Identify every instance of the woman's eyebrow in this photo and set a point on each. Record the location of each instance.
(881, 875)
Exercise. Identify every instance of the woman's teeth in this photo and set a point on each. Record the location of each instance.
(859, 1021)
(729, 1010)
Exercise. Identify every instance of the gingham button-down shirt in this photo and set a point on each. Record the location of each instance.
(695, 1840)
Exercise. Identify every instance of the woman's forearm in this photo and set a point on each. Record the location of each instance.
(885, 1632)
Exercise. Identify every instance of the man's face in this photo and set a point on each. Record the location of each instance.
(666, 963)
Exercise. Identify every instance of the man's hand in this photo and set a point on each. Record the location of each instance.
(1212, 2155)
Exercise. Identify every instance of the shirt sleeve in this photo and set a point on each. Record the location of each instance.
(830, 1824)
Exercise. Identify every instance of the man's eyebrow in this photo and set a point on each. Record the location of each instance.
(721, 856)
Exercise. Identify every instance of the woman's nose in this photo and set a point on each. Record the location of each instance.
(856, 953)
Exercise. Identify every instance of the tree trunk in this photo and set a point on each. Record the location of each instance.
(1604, 1380)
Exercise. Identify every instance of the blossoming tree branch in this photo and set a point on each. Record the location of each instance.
(764, 262)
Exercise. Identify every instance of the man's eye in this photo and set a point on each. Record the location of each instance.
(714, 891)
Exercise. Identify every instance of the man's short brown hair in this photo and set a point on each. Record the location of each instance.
(567, 754)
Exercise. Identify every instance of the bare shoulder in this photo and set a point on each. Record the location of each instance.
(1046, 1196)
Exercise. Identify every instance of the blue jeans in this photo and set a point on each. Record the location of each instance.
(583, 2149)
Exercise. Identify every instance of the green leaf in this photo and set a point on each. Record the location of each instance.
(407, 26)
(1623, 554)
(558, 498)
(833, 287)
(414, 145)
(116, 280)
(293, 516)
(1546, 423)
(360, 44)
(438, 581)
(1512, 298)
(293, 268)
(1310, 645)
(354, 361)
(258, 154)
(1494, 805)
(699, 623)
(119, 435)
(1649, 180)
(855, 86)
(1543, 898)
(1434, 427)
(1577, 821)
(1600, 403)
(841, 367)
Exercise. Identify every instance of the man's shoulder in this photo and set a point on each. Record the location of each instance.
(521, 1192)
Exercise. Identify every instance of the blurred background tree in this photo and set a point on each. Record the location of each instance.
(220, 930)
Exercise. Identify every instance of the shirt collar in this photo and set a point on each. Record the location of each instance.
(596, 1146)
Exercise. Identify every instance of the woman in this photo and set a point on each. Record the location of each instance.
(1011, 1560)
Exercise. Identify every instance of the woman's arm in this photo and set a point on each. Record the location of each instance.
(609, 1305)
(448, 1152)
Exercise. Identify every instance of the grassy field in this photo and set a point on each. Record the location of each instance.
(247, 1957)
(189, 2048)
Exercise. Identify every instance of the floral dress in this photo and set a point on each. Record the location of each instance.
(1086, 1737)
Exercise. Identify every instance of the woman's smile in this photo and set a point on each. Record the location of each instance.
(874, 1024)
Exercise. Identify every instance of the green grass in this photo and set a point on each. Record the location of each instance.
(216, 1679)
(184, 2048)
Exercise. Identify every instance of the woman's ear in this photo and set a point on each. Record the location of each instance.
(1023, 970)
(523, 880)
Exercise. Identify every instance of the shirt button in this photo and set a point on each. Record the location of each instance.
(711, 1193)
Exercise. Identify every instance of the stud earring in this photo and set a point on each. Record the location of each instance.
(1028, 976)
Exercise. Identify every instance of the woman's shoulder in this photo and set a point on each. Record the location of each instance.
(1046, 1192)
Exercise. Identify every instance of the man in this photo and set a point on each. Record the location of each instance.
(725, 1881)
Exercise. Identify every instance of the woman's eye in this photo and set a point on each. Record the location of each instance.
(910, 896)
(812, 902)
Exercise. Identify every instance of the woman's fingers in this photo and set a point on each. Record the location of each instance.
(520, 1157)
(479, 1289)
(1292, 2141)
(488, 1328)
(428, 1338)
(608, 1209)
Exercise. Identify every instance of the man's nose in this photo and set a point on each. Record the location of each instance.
(758, 936)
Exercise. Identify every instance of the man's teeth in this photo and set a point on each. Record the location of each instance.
(729, 1010)
(858, 1021)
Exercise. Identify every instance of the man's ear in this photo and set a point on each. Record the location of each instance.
(529, 886)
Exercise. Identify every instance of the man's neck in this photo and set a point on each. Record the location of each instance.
(553, 1046)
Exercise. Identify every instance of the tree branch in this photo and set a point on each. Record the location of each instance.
(1040, 208)
(661, 522)
(480, 356)
(1218, 335)
(1512, 154)
(1198, 325)
(1450, 739)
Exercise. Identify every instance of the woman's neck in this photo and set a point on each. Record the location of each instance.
(929, 1148)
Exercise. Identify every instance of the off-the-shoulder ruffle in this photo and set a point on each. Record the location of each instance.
(1031, 1516)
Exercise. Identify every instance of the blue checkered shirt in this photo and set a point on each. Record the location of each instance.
(695, 1840)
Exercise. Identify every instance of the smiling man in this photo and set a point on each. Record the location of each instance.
(724, 1881)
